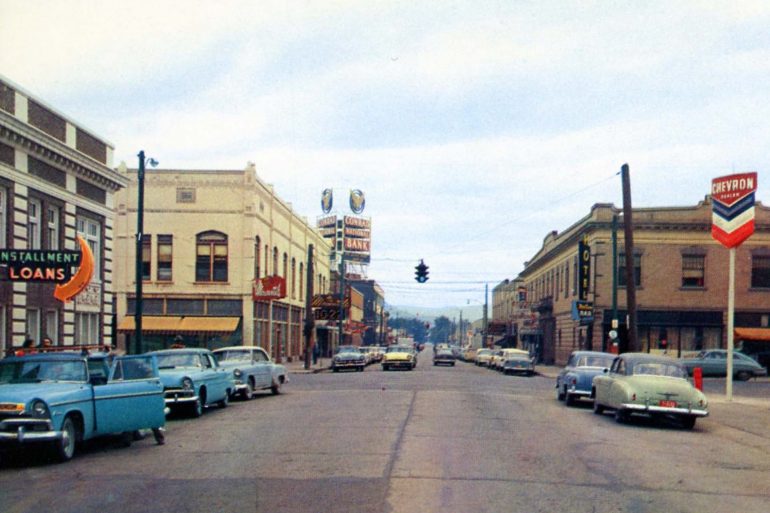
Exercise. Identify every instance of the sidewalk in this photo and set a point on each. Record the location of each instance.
(298, 366)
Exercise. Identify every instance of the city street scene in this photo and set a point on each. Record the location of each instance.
(384, 257)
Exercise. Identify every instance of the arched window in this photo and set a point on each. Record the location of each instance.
(210, 256)
(256, 258)
(275, 261)
(285, 266)
(301, 280)
(293, 278)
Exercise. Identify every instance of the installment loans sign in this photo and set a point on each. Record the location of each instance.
(732, 218)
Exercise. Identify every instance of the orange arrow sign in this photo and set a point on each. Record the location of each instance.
(82, 277)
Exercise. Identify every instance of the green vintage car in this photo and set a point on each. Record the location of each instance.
(657, 386)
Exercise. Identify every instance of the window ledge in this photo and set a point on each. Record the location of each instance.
(211, 283)
(694, 289)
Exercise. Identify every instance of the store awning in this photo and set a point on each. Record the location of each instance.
(152, 324)
(209, 324)
(175, 325)
(755, 334)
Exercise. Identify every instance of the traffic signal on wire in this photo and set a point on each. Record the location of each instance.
(421, 273)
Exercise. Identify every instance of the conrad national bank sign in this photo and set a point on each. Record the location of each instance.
(39, 265)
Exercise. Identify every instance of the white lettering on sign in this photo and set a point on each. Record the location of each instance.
(729, 189)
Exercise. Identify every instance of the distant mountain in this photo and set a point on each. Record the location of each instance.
(470, 312)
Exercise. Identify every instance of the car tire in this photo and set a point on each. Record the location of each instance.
(64, 449)
(276, 387)
(335, 369)
(196, 409)
(688, 421)
(598, 408)
(621, 417)
(569, 399)
(248, 393)
(560, 392)
(743, 375)
(385, 368)
(226, 401)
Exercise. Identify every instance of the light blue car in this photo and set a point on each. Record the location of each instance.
(575, 379)
(252, 370)
(193, 379)
(54, 399)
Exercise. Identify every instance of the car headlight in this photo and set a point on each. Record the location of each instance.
(187, 384)
(237, 373)
(39, 409)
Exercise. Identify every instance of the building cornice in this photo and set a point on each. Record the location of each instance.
(41, 145)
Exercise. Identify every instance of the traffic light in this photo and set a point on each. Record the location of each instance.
(421, 275)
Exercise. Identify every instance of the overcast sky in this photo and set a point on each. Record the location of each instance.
(473, 128)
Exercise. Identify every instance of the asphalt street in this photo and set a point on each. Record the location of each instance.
(436, 439)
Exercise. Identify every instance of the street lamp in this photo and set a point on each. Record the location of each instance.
(139, 242)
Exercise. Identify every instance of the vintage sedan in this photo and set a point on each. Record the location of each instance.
(713, 362)
(517, 361)
(399, 356)
(193, 380)
(252, 370)
(575, 379)
(444, 357)
(348, 357)
(483, 356)
(54, 400)
(657, 386)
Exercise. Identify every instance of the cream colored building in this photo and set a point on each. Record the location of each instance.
(207, 235)
(56, 183)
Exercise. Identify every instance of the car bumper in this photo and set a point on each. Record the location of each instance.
(643, 408)
(397, 363)
(578, 393)
(519, 369)
(443, 360)
(348, 365)
(180, 397)
(28, 430)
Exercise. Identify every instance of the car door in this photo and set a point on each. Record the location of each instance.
(602, 383)
(264, 369)
(215, 378)
(615, 388)
(132, 398)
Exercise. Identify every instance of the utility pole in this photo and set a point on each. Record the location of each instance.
(309, 319)
(614, 322)
(342, 302)
(485, 324)
(628, 230)
(138, 305)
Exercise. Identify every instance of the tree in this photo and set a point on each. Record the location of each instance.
(442, 330)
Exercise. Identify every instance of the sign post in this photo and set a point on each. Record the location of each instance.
(732, 222)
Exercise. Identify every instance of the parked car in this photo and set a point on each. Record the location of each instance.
(517, 361)
(252, 370)
(399, 356)
(657, 386)
(483, 356)
(713, 362)
(444, 357)
(469, 354)
(53, 399)
(496, 359)
(193, 380)
(348, 357)
(575, 379)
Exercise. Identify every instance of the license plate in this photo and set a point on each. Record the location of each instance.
(667, 404)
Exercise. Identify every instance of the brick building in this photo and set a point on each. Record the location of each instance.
(680, 274)
(56, 182)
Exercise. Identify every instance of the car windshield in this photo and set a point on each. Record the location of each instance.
(594, 361)
(482, 352)
(39, 371)
(399, 349)
(347, 349)
(233, 356)
(673, 370)
(169, 361)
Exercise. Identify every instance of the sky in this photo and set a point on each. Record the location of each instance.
(474, 128)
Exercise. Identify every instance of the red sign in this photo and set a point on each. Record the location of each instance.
(732, 218)
(268, 288)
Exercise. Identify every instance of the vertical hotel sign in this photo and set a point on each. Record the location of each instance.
(584, 268)
(732, 222)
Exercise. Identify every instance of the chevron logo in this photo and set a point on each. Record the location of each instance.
(732, 215)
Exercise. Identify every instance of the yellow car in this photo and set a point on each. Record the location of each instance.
(483, 356)
(399, 356)
(469, 355)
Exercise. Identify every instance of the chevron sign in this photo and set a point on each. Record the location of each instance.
(732, 217)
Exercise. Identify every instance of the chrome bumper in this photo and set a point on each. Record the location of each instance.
(642, 408)
(23, 430)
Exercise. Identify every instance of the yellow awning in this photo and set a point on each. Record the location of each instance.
(209, 324)
(181, 325)
(152, 324)
(756, 334)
